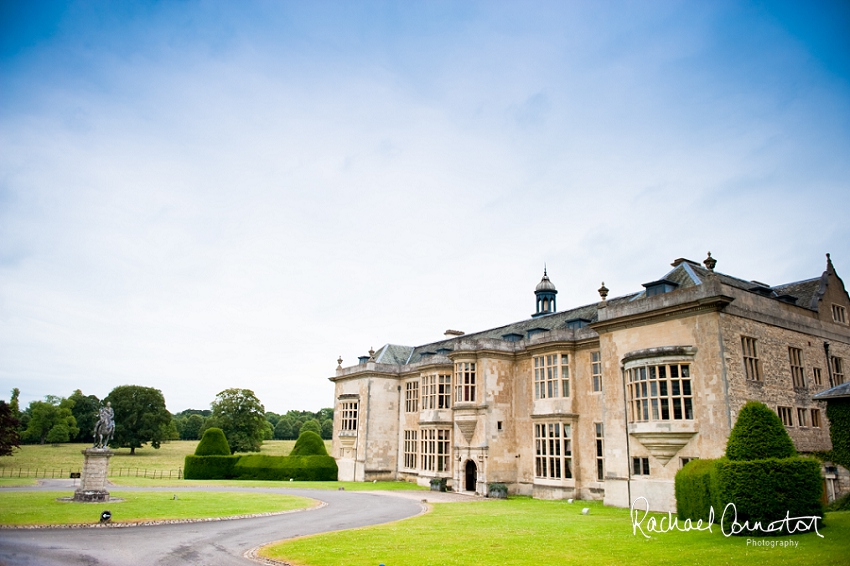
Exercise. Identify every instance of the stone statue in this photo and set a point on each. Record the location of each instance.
(105, 427)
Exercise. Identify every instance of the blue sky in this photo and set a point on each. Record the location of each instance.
(203, 195)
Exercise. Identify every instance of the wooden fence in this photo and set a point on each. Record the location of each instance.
(58, 473)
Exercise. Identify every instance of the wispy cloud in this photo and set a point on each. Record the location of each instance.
(197, 196)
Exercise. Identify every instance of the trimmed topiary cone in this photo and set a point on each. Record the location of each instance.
(309, 444)
(758, 434)
(214, 443)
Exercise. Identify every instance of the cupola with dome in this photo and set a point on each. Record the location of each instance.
(545, 293)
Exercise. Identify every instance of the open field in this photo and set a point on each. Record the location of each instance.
(169, 456)
(528, 532)
(42, 507)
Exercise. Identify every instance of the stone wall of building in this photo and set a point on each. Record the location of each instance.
(761, 319)
(493, 437)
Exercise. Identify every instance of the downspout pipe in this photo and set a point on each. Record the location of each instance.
(828, 363)
(628, 441)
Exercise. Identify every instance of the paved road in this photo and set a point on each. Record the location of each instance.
(211, 543)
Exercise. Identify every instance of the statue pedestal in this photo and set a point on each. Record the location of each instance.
(93, 482)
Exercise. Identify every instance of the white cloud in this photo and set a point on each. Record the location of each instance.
(210, 210)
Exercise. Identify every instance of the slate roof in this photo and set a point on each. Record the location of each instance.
(393, 354)
(685, 273)
(837, 392)
(808, 292)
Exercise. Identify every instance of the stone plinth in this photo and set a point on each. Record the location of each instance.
(93, 480)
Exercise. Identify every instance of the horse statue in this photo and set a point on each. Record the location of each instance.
(105, 427)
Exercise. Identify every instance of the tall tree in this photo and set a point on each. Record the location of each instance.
(312, 425)
(85, 411)
(9, 438)
(241, 416)
(192, 427)
(14, 403)
(327, 429)
(140, 416)
(283, 429)
(45, 415)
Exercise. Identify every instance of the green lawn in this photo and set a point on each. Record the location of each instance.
(331, 485)
(42, 507)
(528, 532)
(170, 456)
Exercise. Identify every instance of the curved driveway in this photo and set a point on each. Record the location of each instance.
(208, 543)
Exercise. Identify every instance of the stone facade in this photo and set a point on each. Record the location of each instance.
(606, 401)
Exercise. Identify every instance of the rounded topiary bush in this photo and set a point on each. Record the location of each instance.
(309, 444)
(758, 434)
(213, 443)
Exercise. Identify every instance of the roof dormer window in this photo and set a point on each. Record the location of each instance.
(660, 287)
(576, 323)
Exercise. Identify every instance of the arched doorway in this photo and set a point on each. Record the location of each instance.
(471, 476)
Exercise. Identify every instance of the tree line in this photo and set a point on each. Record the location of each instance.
(141, 418)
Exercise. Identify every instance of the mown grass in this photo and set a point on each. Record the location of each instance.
(42, 507)
(527, 532)
(329, 485)
(169, 456)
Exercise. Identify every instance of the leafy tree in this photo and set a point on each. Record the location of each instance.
(241, 416)
(327, 429)
(268, 431)
(188, 412)
(14, 404)
(140, 416)
(312, 425)
(85, 411)
(272, 418)
(44, 415)
(171, 431)
(192, 427)
(9, 437)
(283, 429)
(325, 414)
(59, 433)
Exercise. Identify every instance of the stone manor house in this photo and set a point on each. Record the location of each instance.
(605, 401)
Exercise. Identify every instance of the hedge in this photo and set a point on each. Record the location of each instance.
(758, 434)
(695, 484)
(261, 467)
(213, 443)
(284, 468)
(767, 490)
(210, 467)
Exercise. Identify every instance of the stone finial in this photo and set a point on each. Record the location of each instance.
(339, 363)
(710, 262)
(371, 354)
(603, 292)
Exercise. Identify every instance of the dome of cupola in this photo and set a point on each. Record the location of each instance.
(545, 284)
